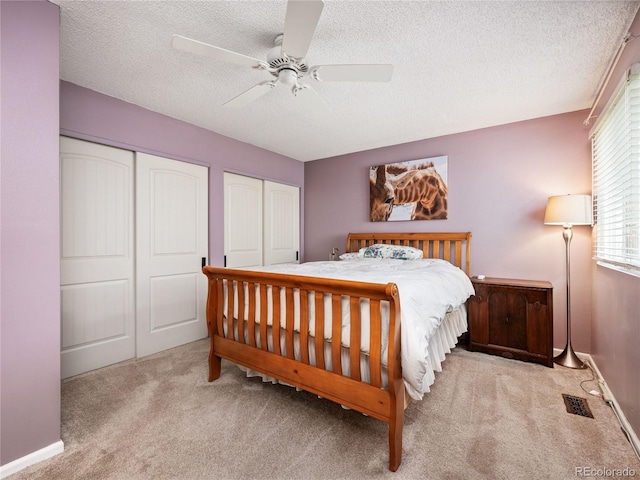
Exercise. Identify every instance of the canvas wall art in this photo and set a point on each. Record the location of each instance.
(412, 190)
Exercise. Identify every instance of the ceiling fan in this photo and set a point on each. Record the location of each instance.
(285, 61)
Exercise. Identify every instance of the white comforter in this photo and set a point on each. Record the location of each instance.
(428, 288)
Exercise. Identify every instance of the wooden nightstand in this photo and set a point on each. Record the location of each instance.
(512, 318)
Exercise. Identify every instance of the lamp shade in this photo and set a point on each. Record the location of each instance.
(568, 210)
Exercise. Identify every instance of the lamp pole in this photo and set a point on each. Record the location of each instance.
(568, 357)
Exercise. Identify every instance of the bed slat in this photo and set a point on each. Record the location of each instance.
(355, 327)
(319, 330)
(231, 308)
(220, 317)
(304, 326)
(290, 324)
(375, 342)
(336, 334)
(276, 314)
(447, 250)
(264, 341)
(251, 328)
(241, 318)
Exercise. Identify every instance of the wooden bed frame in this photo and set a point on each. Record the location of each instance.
(251, 348)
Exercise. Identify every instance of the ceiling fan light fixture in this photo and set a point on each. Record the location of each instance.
(288, 76)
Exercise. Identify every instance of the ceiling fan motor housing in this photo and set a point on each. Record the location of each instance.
(278, 60)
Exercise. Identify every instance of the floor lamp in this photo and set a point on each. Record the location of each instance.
(568, 210)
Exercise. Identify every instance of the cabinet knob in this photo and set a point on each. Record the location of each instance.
(536, 305)
(507, 319)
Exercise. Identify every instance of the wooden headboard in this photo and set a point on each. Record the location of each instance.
(454, 247)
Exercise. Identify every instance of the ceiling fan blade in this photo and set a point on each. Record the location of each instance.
(250, 95)
(299, 26)
(193, 46)
(352, 73)
(310, 100)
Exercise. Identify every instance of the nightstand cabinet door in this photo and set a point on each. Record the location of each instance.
(512, 318)
(508, 319)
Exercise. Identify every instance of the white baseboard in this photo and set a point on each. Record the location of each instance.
(31, 459)
(608, 397)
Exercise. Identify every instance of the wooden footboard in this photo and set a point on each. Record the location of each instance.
(254, 319)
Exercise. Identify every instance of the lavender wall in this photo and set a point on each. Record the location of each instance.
(499, 180)
(30, 306)
(616, 303)
(89, 115)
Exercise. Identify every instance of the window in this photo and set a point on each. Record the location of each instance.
(616, 178)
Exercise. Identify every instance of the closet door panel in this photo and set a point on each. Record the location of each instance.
(281, 223)
(243, 244)
(96, 256)
(172, 238)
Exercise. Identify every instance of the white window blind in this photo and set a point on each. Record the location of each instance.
(616, 178)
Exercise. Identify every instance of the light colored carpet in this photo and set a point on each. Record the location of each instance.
(486, 417)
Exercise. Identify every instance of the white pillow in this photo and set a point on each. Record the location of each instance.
(350, 256)
(399, 252)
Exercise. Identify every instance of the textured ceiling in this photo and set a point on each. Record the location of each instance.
(458, 65)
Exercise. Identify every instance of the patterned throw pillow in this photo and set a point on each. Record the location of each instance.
(398, 252)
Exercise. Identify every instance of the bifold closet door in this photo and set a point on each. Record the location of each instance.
(96, 256)
(134, 233)
(172, 244)
(261, 222)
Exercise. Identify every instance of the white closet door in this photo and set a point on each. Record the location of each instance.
(242, 221)
(281, 223)
(97, 256)
(172, 239)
